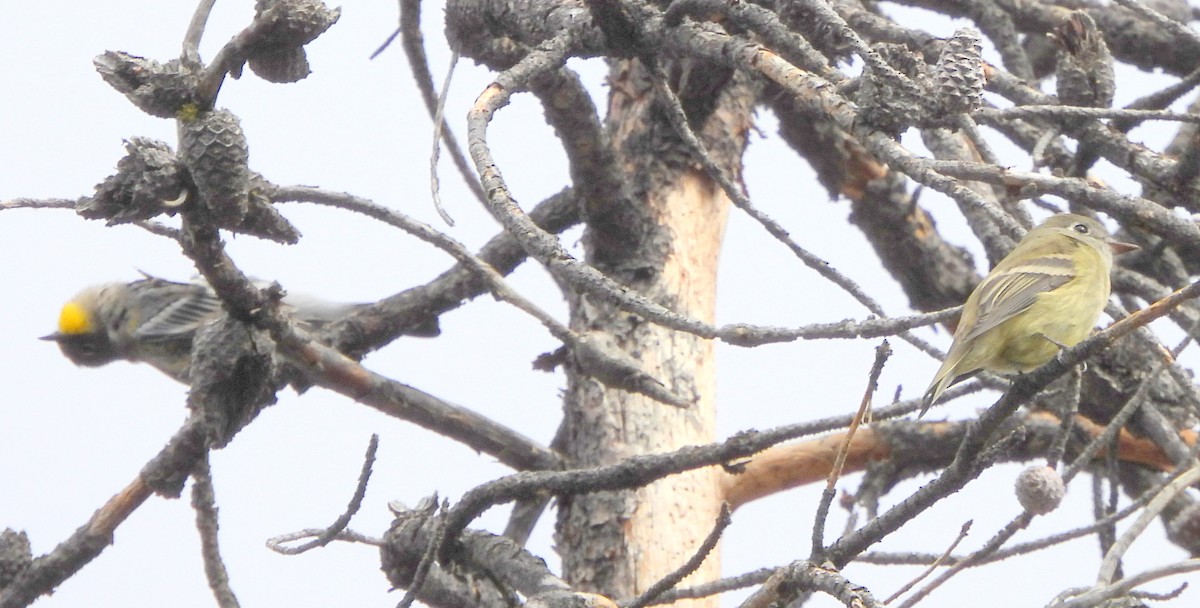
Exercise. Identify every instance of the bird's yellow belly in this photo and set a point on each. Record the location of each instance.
(1032, 351)
(1063, 317)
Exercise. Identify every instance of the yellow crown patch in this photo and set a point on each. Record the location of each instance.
(74, 320)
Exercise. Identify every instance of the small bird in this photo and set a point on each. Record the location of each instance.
(1047, 294)
(154, 320)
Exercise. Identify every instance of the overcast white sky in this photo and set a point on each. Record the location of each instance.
(73, 437)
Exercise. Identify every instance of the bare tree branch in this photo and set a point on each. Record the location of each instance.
(204, 503)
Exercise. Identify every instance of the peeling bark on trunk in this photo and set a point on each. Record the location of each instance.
(666, 244)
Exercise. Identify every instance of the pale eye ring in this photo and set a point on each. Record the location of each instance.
(1081, 228)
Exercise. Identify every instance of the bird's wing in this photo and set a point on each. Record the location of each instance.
(1006, 294)
(181, 316)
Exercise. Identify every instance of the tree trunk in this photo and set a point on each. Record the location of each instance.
(665, 243)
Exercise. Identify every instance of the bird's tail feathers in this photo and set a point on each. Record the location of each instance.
(940, 382)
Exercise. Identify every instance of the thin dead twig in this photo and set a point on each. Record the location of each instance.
(335, 529)
(724, 519)
(204, 502)
(882, 352)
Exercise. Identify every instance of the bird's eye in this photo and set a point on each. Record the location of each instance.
(1081, 228)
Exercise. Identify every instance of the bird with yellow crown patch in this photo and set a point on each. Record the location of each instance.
(154, 320)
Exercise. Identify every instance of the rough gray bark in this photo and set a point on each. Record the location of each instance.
(671, 237)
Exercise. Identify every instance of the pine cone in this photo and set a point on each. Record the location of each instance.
(149, 181)
(893, 104)
(293, 23)
(1085, 67)
(290, 65)
(285, 26)
(15, 555)
(213, 147)
(159, 89)
(959, 79)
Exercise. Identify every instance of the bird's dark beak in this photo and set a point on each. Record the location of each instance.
(1118, 247)
(54, 337)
